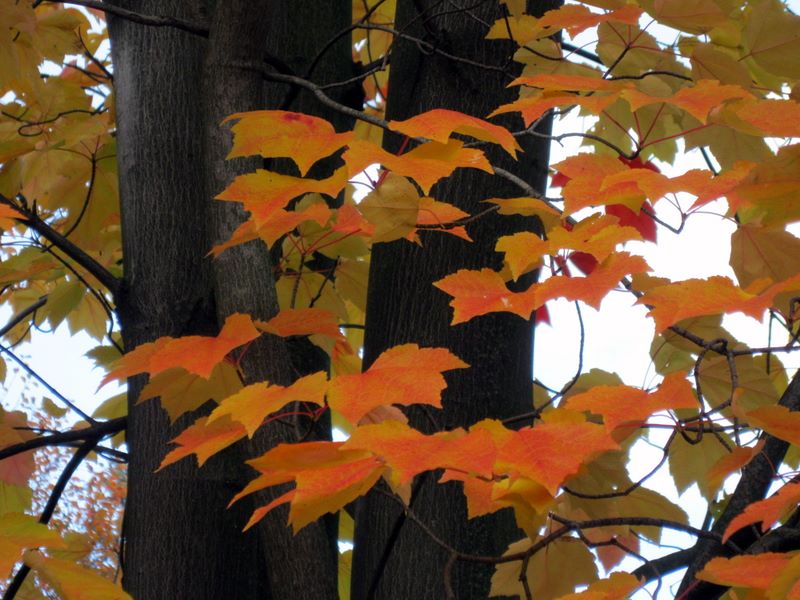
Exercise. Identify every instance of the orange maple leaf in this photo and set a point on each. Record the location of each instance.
(426, 164)
(273, 133)
(402, 375)
(540, 453)
(194, 353)
(251, 405)
(204, 439)
(695, 297)
(409, 452)
(439, 124)
(767, 511)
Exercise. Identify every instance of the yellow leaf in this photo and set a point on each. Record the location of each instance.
(552, 571)
(71, 581)
(392, 208)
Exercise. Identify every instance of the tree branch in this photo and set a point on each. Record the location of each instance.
(93, 434)
(32, 220)
(151, 20)
(757, 476)
(49, 509)
(22, 315)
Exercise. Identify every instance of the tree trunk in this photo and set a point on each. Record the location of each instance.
(172, 90)
(394, 558)
(175, 516)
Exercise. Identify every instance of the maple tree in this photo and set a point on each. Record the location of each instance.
(201, 198)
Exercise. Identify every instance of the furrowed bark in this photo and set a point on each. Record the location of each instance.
(302, 565)
(392, 559)
(179, 539)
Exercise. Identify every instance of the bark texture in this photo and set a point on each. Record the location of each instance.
(175, 516)
(393, 557)
(173, 89)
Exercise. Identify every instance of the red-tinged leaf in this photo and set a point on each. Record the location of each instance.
(204, 440)
(621, 405)
(276, 133)
(71, 581)
(767, 512)
(264, 193)
(731, 462)
(538, 453)
(439, 124)
(17, 469)
(533, 107)
(697, 100)
(426, 164)
(696, 297)
(752, 571)
(402, 375)
(584, 261)
(196, 354)
(559, 179)
(409, 452)
(302, 321)
(542, 315)
(637, 163)
(641, 221)
(251, 405)
(778, 421)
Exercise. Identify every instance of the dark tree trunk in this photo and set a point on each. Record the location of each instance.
(179, 539)
(172, 90)
(394, 558)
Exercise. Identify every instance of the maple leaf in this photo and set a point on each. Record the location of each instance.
(753, 571)
(251, 405)
(426, 164)
(265, 193)
(302, 321)
(404, 375)
(694, 297)
(19, 531)
(534, 453)
(196, 354)
(273, 133)
(326, 475)
(409, 452)
(392, 208)
(618, 586)
(439, 124)
(624, 405)
(71, 581)
(478, 293)
(204, 439)
(767, 512)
